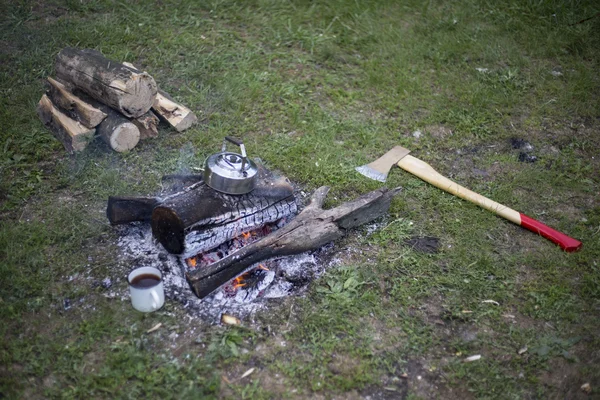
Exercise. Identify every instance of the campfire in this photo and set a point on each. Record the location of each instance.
(225, 232)
(250, 284)
(236, 246)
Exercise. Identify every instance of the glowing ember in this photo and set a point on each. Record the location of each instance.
(239, 282)
(249, 280)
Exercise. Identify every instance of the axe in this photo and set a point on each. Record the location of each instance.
(379, 169)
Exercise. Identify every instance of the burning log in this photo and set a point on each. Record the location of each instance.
(73, 106)
(311, 229)
(73, 135)
(196, 218)
(202, 218)
(127, 90)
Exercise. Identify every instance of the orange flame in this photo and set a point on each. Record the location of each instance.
(239, 282)
(246, 235)
(192, 262)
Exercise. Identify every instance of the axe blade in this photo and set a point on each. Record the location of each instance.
(379, 169)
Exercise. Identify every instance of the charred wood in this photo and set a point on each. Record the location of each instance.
(311, 229)
(122, 210)
(193, 217)
(196, 220)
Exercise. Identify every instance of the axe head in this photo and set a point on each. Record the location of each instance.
(379, 169)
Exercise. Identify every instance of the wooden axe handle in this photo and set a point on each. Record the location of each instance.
(424, 171)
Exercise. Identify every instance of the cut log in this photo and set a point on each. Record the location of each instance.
(73, 106)
(311, 229)
(177, 115)
(118, 132)
(127, 90)
(147, 124)
(73, 135)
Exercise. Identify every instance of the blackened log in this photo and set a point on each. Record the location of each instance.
(190, 217)
(125, 209)
(127, 90)
(196, 220)
(311, 229)
(122, 210)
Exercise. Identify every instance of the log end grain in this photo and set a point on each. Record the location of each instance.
(139, 92)
(186, 122)
(125, 137)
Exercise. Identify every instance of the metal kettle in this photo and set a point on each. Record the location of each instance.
(229, 172)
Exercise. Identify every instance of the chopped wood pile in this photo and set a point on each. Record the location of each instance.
(93, 96)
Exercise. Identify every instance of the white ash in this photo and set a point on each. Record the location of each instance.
(375, 226)
(286, 276)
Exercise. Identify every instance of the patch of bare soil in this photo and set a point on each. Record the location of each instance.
(564, 379)
(48, 10)
(260, 368)
(422, 378)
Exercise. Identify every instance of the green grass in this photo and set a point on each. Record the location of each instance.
(315, 89)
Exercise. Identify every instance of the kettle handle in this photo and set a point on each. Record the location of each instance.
(237, 142)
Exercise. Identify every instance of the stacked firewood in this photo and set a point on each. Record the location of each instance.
(94, 96)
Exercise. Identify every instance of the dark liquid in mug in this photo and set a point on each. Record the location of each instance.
(145, 281)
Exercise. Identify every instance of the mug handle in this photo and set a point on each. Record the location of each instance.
(155, 298)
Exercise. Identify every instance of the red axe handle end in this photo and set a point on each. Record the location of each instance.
(567, 243)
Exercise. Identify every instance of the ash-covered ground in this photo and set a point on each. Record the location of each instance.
(285, 276)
